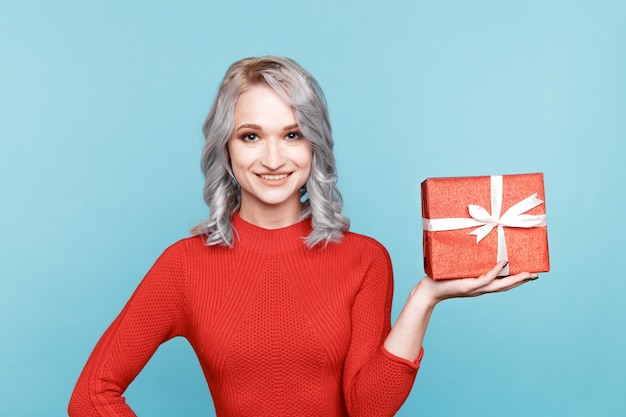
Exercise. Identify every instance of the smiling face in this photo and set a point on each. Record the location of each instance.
(269, 157)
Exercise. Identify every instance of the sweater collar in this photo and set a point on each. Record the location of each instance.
(263, 240)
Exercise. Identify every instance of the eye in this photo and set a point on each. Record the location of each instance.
(293, 135)
(249, 137)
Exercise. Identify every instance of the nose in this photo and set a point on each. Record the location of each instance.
(273, 155)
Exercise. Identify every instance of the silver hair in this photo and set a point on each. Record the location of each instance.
(321, 199)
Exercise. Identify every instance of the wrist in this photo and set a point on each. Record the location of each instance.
(406, 336)
(422, 296)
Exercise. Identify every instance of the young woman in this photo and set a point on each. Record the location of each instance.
(287, 311)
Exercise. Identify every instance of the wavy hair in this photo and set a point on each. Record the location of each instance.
(321, 199)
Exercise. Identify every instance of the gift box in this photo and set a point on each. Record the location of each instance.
(471, 223)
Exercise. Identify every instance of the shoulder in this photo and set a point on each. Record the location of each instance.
(191, 242)
(368, 249)
(184, 243)
(370, 258)
(366, 243)
(185, 248)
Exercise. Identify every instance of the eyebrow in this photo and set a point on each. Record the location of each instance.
(291, 127)
(257, 127)
(248, 126)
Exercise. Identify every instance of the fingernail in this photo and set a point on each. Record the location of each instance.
(531, 278)
(505, 264)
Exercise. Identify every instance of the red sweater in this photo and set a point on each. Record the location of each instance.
(279, 329)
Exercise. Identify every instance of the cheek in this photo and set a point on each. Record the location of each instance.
(306, 156)
(306, 161)
(234, 160)
(236, 156)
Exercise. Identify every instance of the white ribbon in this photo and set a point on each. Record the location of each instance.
(513, 217)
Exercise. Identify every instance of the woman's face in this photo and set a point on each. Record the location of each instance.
(269, 157)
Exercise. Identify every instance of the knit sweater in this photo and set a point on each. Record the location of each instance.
(279, 329)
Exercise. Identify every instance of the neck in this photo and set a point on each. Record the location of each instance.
(270, 217)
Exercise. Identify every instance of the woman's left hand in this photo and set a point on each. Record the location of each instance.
(439, 290)
(406, 336)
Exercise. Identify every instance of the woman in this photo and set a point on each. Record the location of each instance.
(288, 311)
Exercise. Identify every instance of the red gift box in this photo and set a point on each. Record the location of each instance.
(470, 223)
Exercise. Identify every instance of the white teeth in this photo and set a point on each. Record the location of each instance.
(274, 177)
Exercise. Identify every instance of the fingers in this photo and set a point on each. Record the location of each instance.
(463, 287)
(491, 275)
(506, 283)
(498, 268)
(491, 282)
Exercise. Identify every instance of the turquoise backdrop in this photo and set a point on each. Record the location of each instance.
(101, 104)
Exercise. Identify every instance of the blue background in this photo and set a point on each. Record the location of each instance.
(101, 104)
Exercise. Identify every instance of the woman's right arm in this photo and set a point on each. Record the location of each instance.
(154, 314)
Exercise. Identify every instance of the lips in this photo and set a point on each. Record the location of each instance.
(273, 177)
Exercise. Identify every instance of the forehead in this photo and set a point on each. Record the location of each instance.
(260, 103)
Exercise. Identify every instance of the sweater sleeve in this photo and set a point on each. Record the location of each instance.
(154, 314)
(375, 381)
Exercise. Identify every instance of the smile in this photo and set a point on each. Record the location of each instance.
(273, 177)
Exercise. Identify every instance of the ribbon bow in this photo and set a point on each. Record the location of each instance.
(513, 217)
